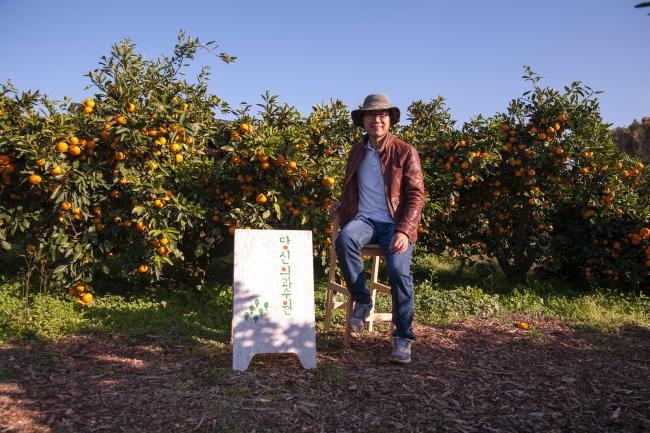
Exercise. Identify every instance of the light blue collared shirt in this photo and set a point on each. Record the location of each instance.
(372, 194)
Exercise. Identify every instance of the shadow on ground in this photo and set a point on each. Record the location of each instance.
(477, 375)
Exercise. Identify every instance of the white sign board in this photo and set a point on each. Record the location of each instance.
(273, 308)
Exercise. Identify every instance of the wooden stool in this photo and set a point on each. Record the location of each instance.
(334, 286)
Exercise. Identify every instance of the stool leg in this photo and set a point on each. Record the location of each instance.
(331, 278)
(374, 278)
(348, 313)
(328, 308)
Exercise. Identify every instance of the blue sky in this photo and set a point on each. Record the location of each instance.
(469, 52)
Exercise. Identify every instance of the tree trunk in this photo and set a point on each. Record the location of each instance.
(517, 259)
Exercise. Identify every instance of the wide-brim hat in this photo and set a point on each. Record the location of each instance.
(375, 102)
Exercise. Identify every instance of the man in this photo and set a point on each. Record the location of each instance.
(382, 200)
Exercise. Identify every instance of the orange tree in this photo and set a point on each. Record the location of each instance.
(144, 175)
(498, 184)
(98, 186)
(26, 120)
(159, 128)
(603, 235)
(282, 170)
(453, 161)
(430, 126)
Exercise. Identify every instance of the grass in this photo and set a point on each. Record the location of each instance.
(449, 293)
(180, 317)
(444, 293)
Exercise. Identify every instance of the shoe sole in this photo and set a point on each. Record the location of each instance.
(400, 361)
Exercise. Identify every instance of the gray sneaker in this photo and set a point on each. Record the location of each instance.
(401, 351)
(360, 313)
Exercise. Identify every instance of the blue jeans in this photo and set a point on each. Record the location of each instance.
(359, 232)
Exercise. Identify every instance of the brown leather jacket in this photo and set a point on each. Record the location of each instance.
(403, 183)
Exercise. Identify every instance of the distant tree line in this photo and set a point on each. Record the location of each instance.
(634, 139)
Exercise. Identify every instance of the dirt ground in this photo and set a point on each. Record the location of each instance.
(473, 376)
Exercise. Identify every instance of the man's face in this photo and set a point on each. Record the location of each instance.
(376, 123)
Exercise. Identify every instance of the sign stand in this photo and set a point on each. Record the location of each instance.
(273, 307)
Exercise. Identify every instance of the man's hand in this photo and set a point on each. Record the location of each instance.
(399, 243)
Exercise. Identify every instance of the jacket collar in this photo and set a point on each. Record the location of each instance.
(388, 142)
(358, 152)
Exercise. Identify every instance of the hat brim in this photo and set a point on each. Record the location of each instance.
(357, 115)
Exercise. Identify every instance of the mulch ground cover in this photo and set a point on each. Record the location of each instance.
(474, 376)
